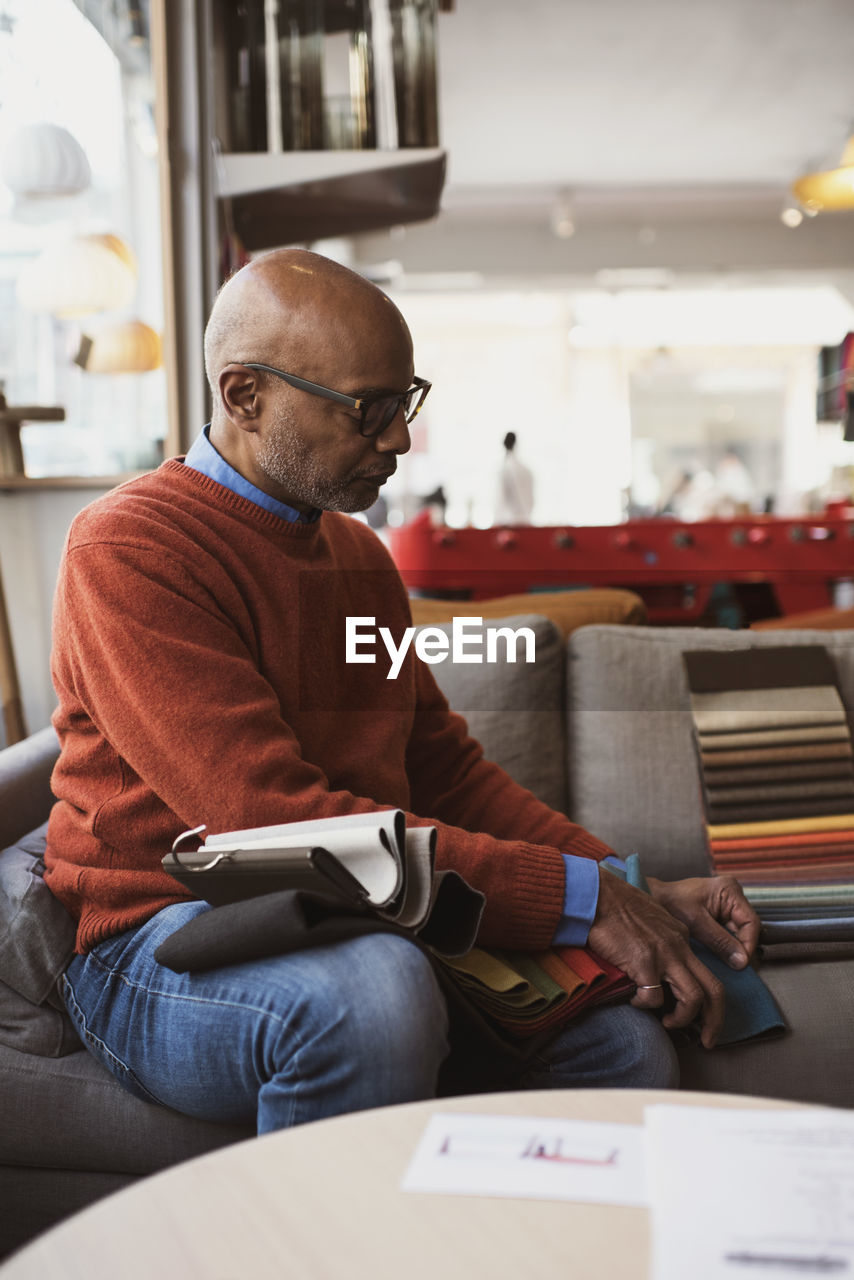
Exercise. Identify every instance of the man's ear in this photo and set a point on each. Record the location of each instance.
(240, 392)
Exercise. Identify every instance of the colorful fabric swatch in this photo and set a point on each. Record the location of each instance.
(777, 771)
(526, 994)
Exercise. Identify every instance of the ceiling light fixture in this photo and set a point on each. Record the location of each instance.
(78, 276)
(791, 215)
(562, 217)
(129, 346)
(830, 188)
(44, 160)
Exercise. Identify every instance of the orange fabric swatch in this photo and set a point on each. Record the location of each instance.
(796, 839)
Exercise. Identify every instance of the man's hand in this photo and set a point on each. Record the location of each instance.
(716, 913)
(650, 945)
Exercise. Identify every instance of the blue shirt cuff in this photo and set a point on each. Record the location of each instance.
(580, 898)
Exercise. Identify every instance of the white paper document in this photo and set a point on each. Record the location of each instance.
(737, 1195)
(546, 1159)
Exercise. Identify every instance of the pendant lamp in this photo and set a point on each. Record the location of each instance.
(41, 161)
(129, 346)
(79, 276)
(830, 189)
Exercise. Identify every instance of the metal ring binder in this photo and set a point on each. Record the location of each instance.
(208, 866)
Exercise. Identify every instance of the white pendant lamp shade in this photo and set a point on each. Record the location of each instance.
(127, 347)
(79, 276)
(43, 160)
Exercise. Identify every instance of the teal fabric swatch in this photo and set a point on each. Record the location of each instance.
(751, 1010)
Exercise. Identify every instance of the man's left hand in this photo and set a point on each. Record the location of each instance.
(716, 913)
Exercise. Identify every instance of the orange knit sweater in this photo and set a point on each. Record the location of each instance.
(199, 666)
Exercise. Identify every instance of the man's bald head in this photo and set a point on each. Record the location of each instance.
(277, 309)
(305, 315)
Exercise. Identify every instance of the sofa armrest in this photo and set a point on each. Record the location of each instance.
(25, 794)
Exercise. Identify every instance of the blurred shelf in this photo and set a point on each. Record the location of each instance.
(241, 173)
(290, 196)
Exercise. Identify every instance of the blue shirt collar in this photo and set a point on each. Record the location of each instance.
(203, 457)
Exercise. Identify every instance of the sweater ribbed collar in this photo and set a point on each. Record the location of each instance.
(213, 491)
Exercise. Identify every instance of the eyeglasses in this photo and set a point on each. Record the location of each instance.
(376, 411)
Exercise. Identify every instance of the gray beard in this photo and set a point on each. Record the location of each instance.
(289, 462)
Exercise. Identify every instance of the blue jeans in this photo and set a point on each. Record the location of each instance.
(277, 1042)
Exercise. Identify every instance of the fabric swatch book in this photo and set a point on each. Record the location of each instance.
(777, 771)
(266, 883)
(351, 866)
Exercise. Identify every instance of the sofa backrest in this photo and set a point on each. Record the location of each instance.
(633, 777)
(516, 709)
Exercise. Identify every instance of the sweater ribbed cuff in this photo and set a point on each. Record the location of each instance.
(538, 894)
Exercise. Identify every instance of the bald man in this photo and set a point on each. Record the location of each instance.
(201, 679)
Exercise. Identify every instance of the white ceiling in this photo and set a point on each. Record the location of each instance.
(616, 93)
(675, 127)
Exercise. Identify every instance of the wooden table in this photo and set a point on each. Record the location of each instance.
(322, 1202)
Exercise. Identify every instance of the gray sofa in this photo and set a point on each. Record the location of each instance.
(68, 1133)
(599, 726)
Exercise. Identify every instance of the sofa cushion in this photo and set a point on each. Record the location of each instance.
(36, 943)
(70, 1113)
(516, 709)
(568, 609)
(633, 773)
(813, 620)
(810, 1064)
(42, 1029)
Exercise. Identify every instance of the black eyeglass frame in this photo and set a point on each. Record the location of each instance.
(362, 403)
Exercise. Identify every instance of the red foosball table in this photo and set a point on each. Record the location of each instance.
(673, 566)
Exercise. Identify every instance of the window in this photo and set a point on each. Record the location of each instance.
(76, 95)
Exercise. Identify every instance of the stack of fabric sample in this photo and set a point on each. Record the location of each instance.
(527, 993)
(778, 783)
